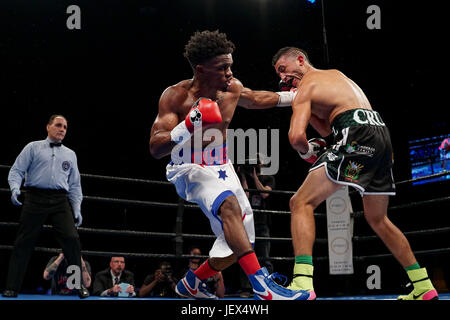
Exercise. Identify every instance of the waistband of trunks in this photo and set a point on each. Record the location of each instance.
(209, 156)
(356, 117)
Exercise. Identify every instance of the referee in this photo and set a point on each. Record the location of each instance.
(52, 182)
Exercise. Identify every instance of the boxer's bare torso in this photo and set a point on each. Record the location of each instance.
(332, 93)
(177, 100)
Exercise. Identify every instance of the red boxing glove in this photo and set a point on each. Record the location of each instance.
(204, 112)
(286, 86)
(317, 146)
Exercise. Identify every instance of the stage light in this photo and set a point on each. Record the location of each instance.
(311, 1)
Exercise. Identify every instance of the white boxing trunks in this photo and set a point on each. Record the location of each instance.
(208, 186)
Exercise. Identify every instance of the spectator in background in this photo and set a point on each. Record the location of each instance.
(159, 284)
(114, 280)
(444, 152)
(194, 263)
(56, 271)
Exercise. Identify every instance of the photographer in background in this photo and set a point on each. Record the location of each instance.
(160, 284)
(251, 178)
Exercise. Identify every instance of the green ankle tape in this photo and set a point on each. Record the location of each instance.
(415, 266)
(303, 259)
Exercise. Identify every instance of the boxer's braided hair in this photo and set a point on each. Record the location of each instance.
(205, 45)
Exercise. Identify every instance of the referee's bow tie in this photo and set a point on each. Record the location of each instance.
(55, 144)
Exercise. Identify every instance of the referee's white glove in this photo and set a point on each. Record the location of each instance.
(78, 218)
(15, 193)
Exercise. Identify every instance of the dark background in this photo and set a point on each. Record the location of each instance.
(107, 79)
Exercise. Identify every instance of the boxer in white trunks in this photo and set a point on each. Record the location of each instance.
(203, 174)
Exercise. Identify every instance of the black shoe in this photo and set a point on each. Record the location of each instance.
(83, 292)
(9, 294)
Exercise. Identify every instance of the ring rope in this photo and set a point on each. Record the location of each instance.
(133, 254)
(388, 255)
(145, 233)
(431, 176)
(212, 237)
(356, 214)
(112, 178)
(166, 183)
(406, 233)
(184, 256)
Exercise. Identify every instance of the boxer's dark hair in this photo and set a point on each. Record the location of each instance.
(205, 45)
(289, 51)
(53, 116)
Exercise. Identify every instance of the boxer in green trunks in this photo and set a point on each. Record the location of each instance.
(361, 156)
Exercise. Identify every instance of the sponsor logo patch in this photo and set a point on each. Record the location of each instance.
(65, 165)
(356, 148)
(352, 171)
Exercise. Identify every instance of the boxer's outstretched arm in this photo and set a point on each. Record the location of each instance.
(258, 99)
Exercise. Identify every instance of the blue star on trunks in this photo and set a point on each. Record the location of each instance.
(222, 174)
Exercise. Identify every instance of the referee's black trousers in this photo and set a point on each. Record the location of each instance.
(42, 206)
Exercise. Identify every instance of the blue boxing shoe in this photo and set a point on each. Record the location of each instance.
(192, 287)
(265, 288)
